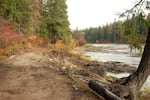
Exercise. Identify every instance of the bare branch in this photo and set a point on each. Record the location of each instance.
(134, 7)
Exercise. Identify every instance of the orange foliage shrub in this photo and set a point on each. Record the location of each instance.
(73, 43)
(79, 38)
(32, 37)
(59, 44)
(33, 41)
(8, 51)
(8, 38)
(3, 58)
(8, 35)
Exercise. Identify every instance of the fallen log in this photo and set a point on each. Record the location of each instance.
(102, 91)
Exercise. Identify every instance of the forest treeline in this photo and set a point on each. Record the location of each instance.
(132, 30)
(47, 18)
(27, 24)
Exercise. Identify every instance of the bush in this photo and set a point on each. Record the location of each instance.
(79, 38)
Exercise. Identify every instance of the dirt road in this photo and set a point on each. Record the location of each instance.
(28, 77)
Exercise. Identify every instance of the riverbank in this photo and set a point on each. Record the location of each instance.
(116, 58)
(118, 61)
(51, 74)
(107, 54)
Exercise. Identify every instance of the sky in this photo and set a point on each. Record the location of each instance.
(93, 13)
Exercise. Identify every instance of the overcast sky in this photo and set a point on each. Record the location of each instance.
(93, 13)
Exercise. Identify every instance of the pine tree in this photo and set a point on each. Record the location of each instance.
(17, 12)
(56, 20)
(36, 15)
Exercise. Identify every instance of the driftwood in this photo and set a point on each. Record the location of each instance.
(102, 91)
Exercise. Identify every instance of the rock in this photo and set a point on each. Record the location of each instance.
(84, 72)
(75, 87)
(11, 57)
(118, 67)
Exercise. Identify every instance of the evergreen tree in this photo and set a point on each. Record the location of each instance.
(36, 15)
(119, 31)
(56, 21)
(17, 12)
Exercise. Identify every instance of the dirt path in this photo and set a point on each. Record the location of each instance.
(28, 77)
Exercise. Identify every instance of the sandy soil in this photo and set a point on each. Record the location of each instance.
(27, 76)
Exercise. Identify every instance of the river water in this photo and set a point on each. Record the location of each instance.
(116, 53)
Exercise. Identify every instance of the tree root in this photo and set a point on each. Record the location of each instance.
(114, 91)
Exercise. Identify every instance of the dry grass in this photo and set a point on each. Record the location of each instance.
(145, 95)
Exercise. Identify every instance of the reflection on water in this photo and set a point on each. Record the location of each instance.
(115, 52)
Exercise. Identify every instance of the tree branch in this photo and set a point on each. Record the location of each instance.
(131, 10)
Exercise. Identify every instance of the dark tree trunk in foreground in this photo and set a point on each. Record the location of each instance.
(101, 90)
(136, 80)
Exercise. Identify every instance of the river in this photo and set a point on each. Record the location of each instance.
(116, 53)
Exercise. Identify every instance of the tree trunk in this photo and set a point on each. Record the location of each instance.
(136, 80)
(102, 91)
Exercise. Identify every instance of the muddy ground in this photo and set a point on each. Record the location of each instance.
(41, 74)
(31, 76)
